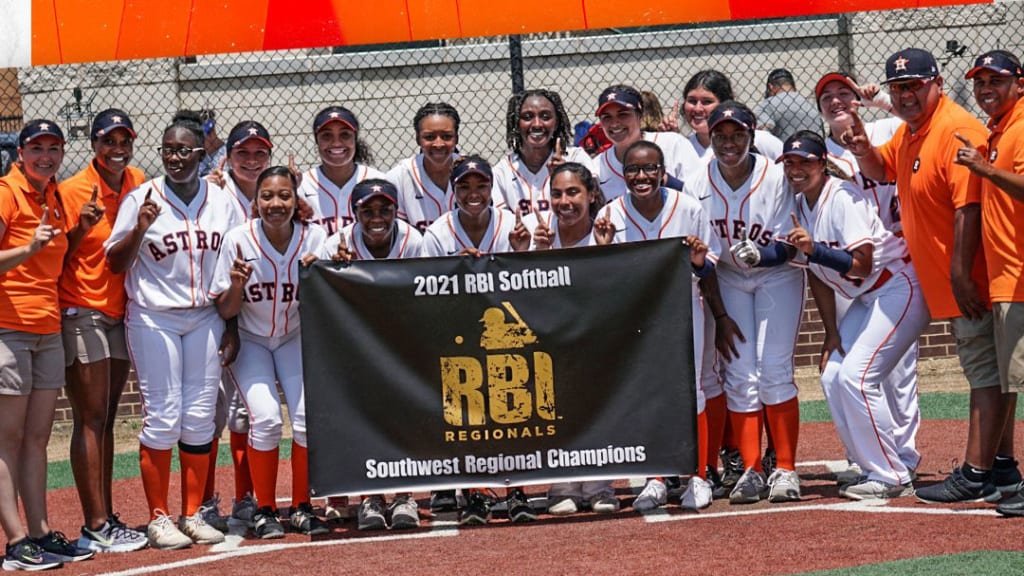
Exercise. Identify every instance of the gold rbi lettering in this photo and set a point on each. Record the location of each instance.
(509, 399)
(461, 378)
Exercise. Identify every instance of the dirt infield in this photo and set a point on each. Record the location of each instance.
(821, 532)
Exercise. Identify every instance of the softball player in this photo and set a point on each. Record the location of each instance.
(92, 301)
(619, 108)
(32, 249)
(648, 212)
(744, 191)
(537, 128)
(838, 95)
(166, 237)
(851, 252)
(344, 158)
(256, 279)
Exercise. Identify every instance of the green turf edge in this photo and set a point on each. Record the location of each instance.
(963, 564)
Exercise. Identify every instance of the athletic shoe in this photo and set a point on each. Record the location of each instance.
(750, 488)
(563, 507)
(337, 508)
(56, 544)
(242, 511)
(477, 510)
(266, 525)
(852, 475)
(769, 462)
(1012, 506)
(212, 515)
(27, 555)
(698, 494)
(1006, 477)
(519, 509)
(654, 495)
(196, 528)
(732, 467)
(957, 488)
(371, 514)
(876, 490)
(605, 504)
(784, 486)
(405, 513)
(113, 536)
(164, 535)
(305, 521)
(443, 501)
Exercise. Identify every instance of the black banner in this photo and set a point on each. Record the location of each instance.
(507, 369)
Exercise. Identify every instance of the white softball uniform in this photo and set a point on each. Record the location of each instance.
(885, 317)
(331, 206)
(407, 242)
(901, 386)
(680, 161)
(766, 303)
(172, 327)
(680, 216)
(446, 237)
(268, 326)
(532, 220)
(420, 200)
(527, 191)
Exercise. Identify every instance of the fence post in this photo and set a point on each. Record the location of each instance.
(515, 58)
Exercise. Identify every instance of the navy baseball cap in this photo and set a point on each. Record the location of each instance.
(614, 95)
(247, 130)
(109, 120)
(797, 145)
(471, 164)
(335, 114)
(372, 187)
(997, 61)
(36, 128)
(910, 64)
(729, 111)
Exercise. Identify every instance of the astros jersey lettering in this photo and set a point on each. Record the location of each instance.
(330, 204)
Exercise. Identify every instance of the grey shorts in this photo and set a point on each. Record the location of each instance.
(1009, 334)
(976, 347)
(90, 336)
(30, 362)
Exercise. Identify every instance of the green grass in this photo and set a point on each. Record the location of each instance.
(965, 564)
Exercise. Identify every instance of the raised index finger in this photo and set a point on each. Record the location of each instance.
(95, 193)
(45, 219)
(238, 252)
(963, 140)
(149, 194)
(796, 221)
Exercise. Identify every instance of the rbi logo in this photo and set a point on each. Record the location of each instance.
(917, 164)
(993, 155)
(506, 390)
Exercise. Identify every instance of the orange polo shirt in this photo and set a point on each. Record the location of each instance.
(87, 281)
(28, 292)
(932, 188)
(1003, 217)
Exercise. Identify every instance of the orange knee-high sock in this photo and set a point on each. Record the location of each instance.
(263, 466)
(240, 459)
(715, 410)
(155, 469)
(195, 466)
(747, 428)
(702, 444)
(784, 422)
(768, 431)
(729, 439)
(211, 476)
(300, 474)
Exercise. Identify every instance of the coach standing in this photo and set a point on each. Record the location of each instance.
(941, 211)
(998, 89)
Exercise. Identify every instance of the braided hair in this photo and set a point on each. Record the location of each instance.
(514, 136)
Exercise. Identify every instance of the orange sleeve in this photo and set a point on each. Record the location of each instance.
(965, 186)
(8, 208)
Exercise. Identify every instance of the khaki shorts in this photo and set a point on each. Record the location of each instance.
(976, 347)
(90, 336)
(30, 362)
(1009, 333)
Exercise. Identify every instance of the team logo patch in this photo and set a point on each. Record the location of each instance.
(993, 155)
(917, 164)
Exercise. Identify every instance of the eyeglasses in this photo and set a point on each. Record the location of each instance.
(907, 86)
(737, 138)
(183, 152)
(634, 169)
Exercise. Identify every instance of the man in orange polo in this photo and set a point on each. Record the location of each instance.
(998, 89)
(941, 210)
